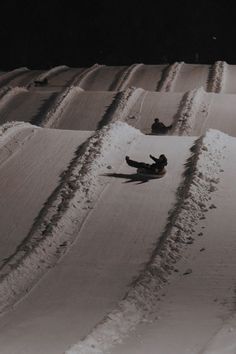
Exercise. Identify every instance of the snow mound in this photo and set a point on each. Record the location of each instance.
(193, 196)
(51, 72)
(9, 93)
(189, 107)
(60, 219)
(121, 105)
(217, 77)
(167, 82)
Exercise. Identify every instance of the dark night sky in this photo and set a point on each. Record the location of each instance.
(42, 34)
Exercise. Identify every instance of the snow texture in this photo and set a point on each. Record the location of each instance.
(121, 105)
(53, 115)
(64, 212)
(51, 72)
(186, 115)
(11, 74)
(83, 76)
(169, 76)
(193, 197)
(8, 94)
(217, 77)
(123, 82)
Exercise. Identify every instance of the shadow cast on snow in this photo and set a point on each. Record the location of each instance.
(133, 177)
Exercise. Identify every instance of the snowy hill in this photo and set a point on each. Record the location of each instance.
(95, 258)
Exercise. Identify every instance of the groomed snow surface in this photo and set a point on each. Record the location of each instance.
(94, 258)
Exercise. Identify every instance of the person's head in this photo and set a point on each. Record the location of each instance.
(157, 120)
(162, 157)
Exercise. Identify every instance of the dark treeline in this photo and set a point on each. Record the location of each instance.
(42, 34)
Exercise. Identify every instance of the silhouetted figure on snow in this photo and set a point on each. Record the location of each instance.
(159, 127)
(155, 168)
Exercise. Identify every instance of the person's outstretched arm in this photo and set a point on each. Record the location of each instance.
(153, 158)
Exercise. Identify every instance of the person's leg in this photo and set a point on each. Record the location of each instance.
(136, 164)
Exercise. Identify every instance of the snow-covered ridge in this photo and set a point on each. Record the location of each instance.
(121, 105)
(12, 136)
(186, 115)
(51, 72)
(169, 76)
(63, 99)
(193, 199)
(83, 76)
(217, 77)
(11, 74)
(7, 94)
(123, 81)
(61, 217)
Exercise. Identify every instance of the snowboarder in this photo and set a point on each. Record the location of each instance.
(159, 127)
(156, 168)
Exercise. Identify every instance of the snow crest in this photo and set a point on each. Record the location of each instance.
(186, 115)
(53, 115)
(59, 221)
(217, 77)
(9, 93)
(193, 197)
(78, 81)
(169, 77)
(51, 72)
(123, 82)
(121, 105)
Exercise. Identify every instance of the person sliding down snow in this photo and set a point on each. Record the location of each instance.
(157, 167)
(159, 128)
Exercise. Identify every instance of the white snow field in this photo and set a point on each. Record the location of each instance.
(95, 258)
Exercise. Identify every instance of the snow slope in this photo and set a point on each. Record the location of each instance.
(28, 158)
(113, 251)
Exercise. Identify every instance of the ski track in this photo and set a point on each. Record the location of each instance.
(201, 177)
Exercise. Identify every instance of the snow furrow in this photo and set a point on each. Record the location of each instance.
(189, 106)
(53, 115)
(126, 76)
(121, 105)
(217, 77)
(192, 200)
(7, 77)
(51, 72)
(9, 93)
(61, 217)
(83, 76)
(169, 77)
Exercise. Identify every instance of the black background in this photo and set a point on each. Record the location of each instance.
(42, 34)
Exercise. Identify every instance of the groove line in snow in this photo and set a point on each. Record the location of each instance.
(169, 77)
(192, 199)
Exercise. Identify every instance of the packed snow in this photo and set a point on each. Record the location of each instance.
(94, 257)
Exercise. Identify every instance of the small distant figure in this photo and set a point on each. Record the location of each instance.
(159, 128)
(158, 167)
(42, 82)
